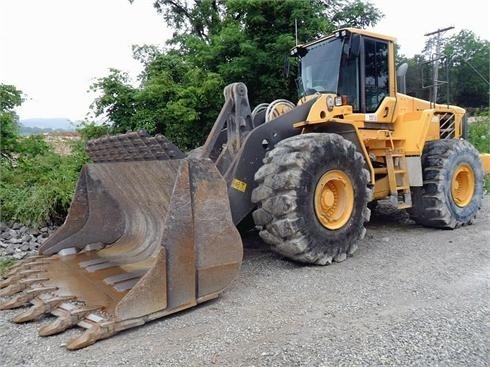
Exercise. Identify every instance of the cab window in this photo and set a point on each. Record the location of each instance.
(376, 62)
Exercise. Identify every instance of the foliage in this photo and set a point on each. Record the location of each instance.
(354, 14)
(91, 130)
(464, 65)
(5, 265)
(10, 97)
(38, 185)
(479, 136)
(469, 57)
(479, 133)
(217, 42)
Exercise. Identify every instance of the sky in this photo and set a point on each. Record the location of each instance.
(53, 50)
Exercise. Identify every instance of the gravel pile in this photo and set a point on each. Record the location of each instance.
(18, 241)
(410, 296)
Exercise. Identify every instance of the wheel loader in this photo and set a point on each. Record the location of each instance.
(152, 230)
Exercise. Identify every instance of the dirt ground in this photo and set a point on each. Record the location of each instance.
(411, 296)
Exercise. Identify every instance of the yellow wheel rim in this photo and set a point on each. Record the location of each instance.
(334, 199)
(463, 185)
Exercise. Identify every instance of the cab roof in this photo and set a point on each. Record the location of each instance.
(351, 30)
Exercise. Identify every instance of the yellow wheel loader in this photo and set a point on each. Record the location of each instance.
(152, 231)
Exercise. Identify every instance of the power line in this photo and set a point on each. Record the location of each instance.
(435, 71)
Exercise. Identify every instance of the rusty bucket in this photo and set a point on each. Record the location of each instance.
(142, 239)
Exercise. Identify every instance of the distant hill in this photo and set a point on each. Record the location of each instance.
(49, 123)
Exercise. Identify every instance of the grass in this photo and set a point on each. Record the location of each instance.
(479, 136)
(37, 184)
(5, 265)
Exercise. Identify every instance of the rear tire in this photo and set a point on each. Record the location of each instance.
(453, 185)
(312, 197)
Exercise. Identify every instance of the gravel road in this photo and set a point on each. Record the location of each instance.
(411, 296)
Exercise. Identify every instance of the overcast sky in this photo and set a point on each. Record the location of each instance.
(54, 49)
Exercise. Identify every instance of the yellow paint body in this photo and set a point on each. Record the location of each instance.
(398, 129)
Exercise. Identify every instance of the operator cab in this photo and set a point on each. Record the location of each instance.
(353, 64)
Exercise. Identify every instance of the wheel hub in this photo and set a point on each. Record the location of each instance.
(463, 185)
(334, 199)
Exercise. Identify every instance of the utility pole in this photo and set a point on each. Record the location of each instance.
(435, 72)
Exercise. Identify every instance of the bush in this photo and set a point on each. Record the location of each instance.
(479, 136)
(90, 130)
(37, 184)
(5, 265)
(479, 133)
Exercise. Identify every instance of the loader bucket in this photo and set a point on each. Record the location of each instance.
(142, 239)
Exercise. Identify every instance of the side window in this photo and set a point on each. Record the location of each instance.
(376, 56)
(349, 81)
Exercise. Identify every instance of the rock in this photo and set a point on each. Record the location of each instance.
(10, 250)
(19, 255)
(33, 246)
(19, 241)
(34, 232)
(6, 235)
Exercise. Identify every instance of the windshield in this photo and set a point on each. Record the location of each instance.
(320, 68)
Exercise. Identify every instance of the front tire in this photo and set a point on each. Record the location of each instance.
(453, 185)
(312, 197)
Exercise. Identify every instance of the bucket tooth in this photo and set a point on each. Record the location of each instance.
(40, 307)
(19, 286)
(21, 270)
(25, 297)
(30, 272)
(28, 281)
(12, 289)
(66, 319)
(13, 303)
(17, 277)
(93, 333)
(5, 283)
(14, 270)
(26, 264)
(28, 260)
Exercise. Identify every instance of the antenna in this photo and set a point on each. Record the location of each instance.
(296, 30)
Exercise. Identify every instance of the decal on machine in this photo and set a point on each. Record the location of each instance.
(371, 117)
(239, 185)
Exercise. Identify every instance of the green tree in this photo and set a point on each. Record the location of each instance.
(217, 42)
(464, 65)
(10, 97)
(468, 57)
(36, 183)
